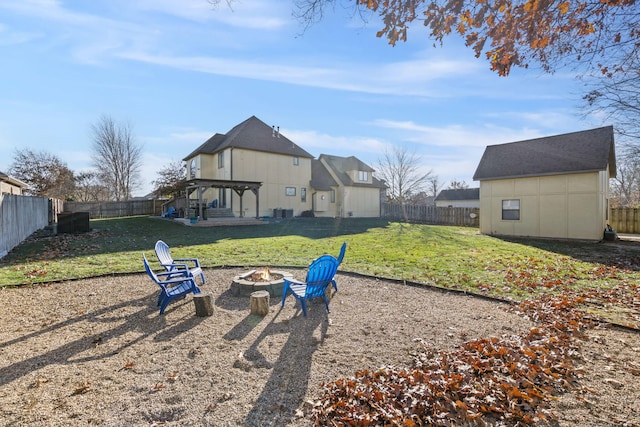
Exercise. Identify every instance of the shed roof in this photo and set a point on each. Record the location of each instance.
(251, 134)
(459, 194)
(585, 151)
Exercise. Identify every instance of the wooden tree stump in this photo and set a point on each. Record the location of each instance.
(260, 303)
(203, 303)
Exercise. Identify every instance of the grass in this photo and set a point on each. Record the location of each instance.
(450, 257)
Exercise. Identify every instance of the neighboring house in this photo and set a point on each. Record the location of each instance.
(556, 187)
(9, 185)
(458, 198)
(345, 186)
(254, 168)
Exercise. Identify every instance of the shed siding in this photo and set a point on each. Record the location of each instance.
(569, 206)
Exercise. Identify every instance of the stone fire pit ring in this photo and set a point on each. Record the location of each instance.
(244, 285)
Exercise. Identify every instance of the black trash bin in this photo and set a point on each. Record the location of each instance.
(73, 222)
(65, 222)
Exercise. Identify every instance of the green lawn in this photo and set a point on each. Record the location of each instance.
(450, 257)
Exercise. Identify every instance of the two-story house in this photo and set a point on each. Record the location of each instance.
(254, 170)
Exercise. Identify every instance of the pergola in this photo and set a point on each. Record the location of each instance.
(239, 187)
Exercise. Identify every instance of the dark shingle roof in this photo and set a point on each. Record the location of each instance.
(459, 194)
(321, 179)
(252, 134)
(340, 165)
(586, 151)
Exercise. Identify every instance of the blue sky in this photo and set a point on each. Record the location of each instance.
(181, 70)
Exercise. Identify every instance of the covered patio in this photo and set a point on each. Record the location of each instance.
(239, 187)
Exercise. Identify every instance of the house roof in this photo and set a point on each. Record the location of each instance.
(321, 179)
(340, 165)
(252, 134)
(13, 181)
(459, 194)
(585, 151)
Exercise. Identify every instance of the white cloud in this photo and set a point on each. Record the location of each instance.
(455, 135)
(256, 14)
(317, 143)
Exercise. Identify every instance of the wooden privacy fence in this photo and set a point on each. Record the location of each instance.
(625, 220)
(466, 217)
(20, 216)
(115, 209)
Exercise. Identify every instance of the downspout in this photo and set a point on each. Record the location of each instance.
(231, 177)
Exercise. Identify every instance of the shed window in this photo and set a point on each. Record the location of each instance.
(290, 191)
(192, 169)
(296, 161)
(363, 176)
(221, 160)
(511, 210)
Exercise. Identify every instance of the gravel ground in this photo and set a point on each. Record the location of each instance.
(96, 352)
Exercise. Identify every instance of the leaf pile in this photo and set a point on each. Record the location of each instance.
(502, 382)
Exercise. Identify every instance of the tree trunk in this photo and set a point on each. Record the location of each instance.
(260, 303)
(204, 304)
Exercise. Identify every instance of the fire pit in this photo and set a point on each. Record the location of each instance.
(264, 279)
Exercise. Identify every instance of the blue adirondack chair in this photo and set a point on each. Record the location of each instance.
(171, 213)
(343, 249)
(192, 265)
(319, 276)
(174, 286)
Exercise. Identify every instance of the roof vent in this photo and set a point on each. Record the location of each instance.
(273, 131)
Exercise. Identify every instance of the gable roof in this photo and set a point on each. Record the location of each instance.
(585, 151)
(252, 134)
(321, 179)
(340, 165)
(13, 181)
(459, 194)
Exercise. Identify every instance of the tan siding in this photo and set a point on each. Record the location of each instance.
(276, 172)
(361, 202)
(562, 206)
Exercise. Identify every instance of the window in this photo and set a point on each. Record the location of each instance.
(303, 195)
(290, 191)
(192, 169)
(296, 161)
(221, 160)
(511, 210)
(333, 196)
(363, 176)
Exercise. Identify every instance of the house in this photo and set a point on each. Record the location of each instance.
(345, 186)
(555, 187)
(254, 170)
(458, 198)
(9, 185)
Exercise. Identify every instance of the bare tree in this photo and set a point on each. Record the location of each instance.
(625, 187)
(171, 180)
(402, 172)
(89, 188)
(434, 186)
(616, 98)
(46, 174)
(116, 156)
(457, 185)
